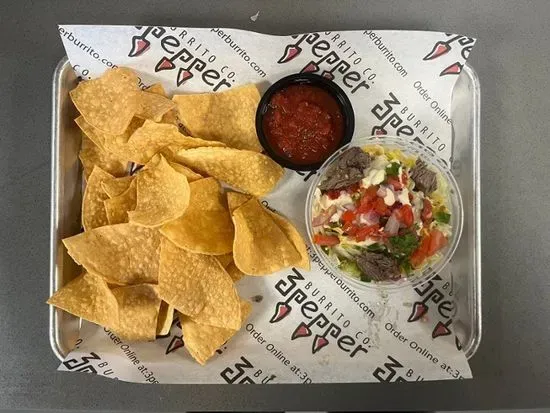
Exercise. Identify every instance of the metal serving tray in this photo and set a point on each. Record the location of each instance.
(66, 200)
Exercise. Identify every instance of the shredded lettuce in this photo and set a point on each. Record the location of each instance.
(350, 267)
(347, 251)
(442, 217)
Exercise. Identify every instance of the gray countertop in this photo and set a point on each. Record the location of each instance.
(511, 368)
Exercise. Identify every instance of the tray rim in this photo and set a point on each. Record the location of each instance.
(473, 344)
(470, 347)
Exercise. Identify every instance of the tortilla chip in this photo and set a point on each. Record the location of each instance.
(198, 286)
(138, 310)
(202, 341)
(115, 144)
(165, 319)
(234, 272)
(184, 170)
(91, 155)
(260, 247)
(248, 171)
(117, 208)
(93, 210)
(89, 297)
(97, 138)
(156, 88)
(162, 195)
(173, 152)
(206, 226)
(227, 116)
(122, 254)
(172, 118)
(150, 139)
(225, 259)
(109, 102)
(235, 200)
(116, 186)
(294, 237)
(153, 106)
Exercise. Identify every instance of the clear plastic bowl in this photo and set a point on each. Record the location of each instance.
(424, 274)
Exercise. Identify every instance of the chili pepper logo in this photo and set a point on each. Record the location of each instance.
(442, 329)
(320, 340)
(431, 294)
(140, 43)
(443, 47)
(453, 69)
(139, 46)
(458, 344)
(294, 49)
(176, 343)
(283, 308)
(418, 311)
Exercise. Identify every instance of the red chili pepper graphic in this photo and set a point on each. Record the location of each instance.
(164, 64)
(418, 311)
(444, 47)
(378, 131)
(453, 69)
(175, 343)
(291, 51)
(294, 49)
(441, 329)
(302, 330)
(318, 343)
(281, 311)
(310, 68)
(458, 344)
(139, 46)
(183, 75)
(439, 49)
(328, 75)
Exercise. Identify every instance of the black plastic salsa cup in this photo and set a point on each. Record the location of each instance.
(313, 80)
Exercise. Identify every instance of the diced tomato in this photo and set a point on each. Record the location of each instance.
(350, 228)
(348, 216)
(429, 245)
(326, 240)
(371, 201)
(364, 232)
(333, 193)
(369, 194)
(421, 253)
(427, 212)
(417, 258)
(394, 181)
(405, 215)
(364, 206)
(404, 178)
(381, 208)
(437, 241)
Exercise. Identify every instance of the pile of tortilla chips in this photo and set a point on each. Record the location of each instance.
(170, 239)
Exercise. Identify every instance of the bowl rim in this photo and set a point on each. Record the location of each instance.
(426, 273)
(315, 80)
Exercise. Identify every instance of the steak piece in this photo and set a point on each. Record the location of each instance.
(347, 170)
(378, 267)
(424, 179)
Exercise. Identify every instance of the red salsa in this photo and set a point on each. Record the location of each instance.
(303, 124)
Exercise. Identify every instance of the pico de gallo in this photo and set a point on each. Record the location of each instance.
(381, 214)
